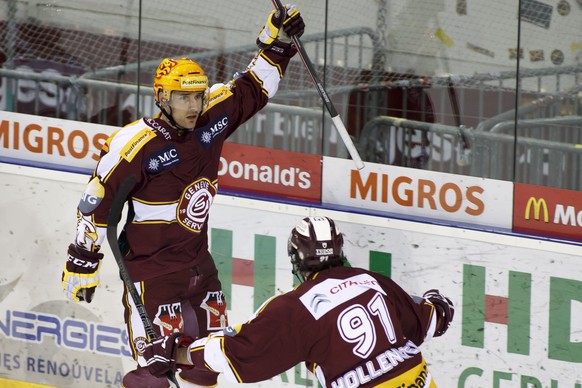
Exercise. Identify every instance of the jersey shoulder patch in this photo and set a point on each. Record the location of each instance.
(130, 140)
(217, 94)
(330, 293)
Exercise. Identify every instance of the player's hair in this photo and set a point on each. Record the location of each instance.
(315, 244)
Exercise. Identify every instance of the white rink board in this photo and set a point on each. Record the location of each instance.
(37, 208)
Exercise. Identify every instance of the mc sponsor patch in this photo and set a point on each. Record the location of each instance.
(162, 160)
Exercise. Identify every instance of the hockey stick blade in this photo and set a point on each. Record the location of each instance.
(112, 220)
(339, 125)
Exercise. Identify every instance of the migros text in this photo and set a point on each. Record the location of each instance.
(421, 193)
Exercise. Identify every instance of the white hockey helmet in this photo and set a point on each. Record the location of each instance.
(314, 244)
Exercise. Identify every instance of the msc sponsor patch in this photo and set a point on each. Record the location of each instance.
(162, 160)
(92, 196)
(209, 132)
(133, 146)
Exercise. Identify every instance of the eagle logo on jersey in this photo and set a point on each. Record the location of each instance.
(194, 205)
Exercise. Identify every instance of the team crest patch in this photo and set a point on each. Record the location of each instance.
(169, 318)
(194, 204)
(140, 344)
(215, 306)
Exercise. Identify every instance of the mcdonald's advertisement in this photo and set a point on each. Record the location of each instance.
(547, 211)
(518, 319)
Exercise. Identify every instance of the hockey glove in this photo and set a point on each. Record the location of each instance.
(443, 308)
(80, 275)
(273, 37)
(161, 353)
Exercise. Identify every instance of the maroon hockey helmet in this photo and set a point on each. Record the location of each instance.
(314, 244)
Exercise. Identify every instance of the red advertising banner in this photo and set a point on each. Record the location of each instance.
(547, 211)
(269, 171)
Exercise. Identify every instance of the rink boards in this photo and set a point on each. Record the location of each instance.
(518, 299)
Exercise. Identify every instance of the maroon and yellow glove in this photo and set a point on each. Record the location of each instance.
(279, 28)
(81, 274)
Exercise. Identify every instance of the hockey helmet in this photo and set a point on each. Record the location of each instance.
(314, 244)
(178, 74)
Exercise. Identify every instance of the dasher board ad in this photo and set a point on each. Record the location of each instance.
(74, 146)
(518, 301)
(547, 211)
(420, 194)
(51, 143)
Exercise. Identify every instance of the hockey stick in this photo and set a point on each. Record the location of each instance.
(339, 125)
(112, 221)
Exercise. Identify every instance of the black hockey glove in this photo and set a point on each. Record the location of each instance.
(161, 353)
(81, 274)
(443, 308)
(272, 38)
(293, 24)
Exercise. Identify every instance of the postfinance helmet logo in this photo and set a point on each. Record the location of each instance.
(538, 205)
(178, 74)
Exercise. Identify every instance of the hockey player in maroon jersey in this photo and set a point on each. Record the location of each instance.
(352, 327)
(175, 157)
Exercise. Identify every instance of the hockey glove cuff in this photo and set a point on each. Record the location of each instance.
(444, 310)
(280, 26)
(161, 354)
(81, 274)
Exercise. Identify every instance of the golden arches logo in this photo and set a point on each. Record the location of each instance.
(538, 205)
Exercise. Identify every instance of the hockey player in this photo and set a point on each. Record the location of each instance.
(352, 327)
(175, 157)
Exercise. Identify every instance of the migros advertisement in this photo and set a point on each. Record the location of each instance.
(420, 194)
(51, 143)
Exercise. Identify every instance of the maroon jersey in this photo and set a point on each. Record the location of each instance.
(352, 327)
(177, 175)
